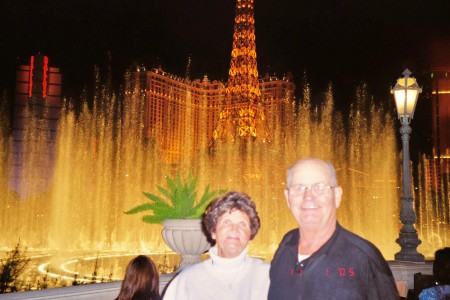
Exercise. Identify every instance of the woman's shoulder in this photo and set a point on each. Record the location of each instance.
(259, 263)
(192, 270)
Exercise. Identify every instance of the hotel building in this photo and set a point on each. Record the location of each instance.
(37, 109)
(181, 114)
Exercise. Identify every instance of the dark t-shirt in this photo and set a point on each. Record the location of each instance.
(346, 267)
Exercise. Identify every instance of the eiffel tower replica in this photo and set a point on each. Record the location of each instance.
(242, 115)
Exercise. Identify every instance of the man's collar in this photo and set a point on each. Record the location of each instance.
(295, 239)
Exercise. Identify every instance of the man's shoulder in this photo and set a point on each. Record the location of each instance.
(288, 243)
(359, 244)
(290, 236)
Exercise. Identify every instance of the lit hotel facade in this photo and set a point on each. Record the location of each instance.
(181, 114)
(37, 110)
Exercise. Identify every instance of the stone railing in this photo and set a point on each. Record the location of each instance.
(403, 274)
(98, 291)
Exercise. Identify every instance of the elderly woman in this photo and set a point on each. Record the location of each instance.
(229, 273)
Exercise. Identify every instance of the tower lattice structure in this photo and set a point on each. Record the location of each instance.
(243, 114)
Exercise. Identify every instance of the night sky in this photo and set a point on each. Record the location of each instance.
(343, 41)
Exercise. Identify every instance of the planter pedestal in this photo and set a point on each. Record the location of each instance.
(185, 237)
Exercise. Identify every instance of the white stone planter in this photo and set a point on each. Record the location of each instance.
(185, 237)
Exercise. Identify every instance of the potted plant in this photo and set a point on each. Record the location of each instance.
(180, 213)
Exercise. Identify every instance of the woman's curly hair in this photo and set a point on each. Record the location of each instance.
(227, 203)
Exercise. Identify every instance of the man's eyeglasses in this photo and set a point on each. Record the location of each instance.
(317, 189)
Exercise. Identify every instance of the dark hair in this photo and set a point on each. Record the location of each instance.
(227, 203)
(141, 280)
(441, 266)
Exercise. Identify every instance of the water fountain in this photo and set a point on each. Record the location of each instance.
(103, 164)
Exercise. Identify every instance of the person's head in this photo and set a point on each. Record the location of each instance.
(312, 193)
(441, 266)
(141, 280)
(232, 221)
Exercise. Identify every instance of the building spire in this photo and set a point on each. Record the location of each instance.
(242, 114)
(188, 68)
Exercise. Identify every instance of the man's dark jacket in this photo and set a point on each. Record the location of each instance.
(346, 267)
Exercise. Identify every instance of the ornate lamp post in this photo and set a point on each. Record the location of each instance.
(406, 92)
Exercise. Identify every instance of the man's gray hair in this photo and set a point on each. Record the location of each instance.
(331, 170)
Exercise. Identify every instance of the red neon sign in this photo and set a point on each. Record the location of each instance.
(30, 80)
(44, 77)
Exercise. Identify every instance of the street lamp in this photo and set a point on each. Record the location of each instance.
(406, 92)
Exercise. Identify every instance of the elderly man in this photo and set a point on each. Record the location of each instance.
(320, 259)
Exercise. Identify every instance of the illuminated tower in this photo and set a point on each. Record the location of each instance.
(184, 116)
(242, 114)
(437, 167)
(439, 175)
(438, 79)
(440, 97)
(36, 115)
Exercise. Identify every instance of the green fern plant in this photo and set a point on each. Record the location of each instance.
(180, 201)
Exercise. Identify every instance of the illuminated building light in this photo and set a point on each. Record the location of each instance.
(443, 157)
(440, 92)
(44, 77)
(30, 81)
